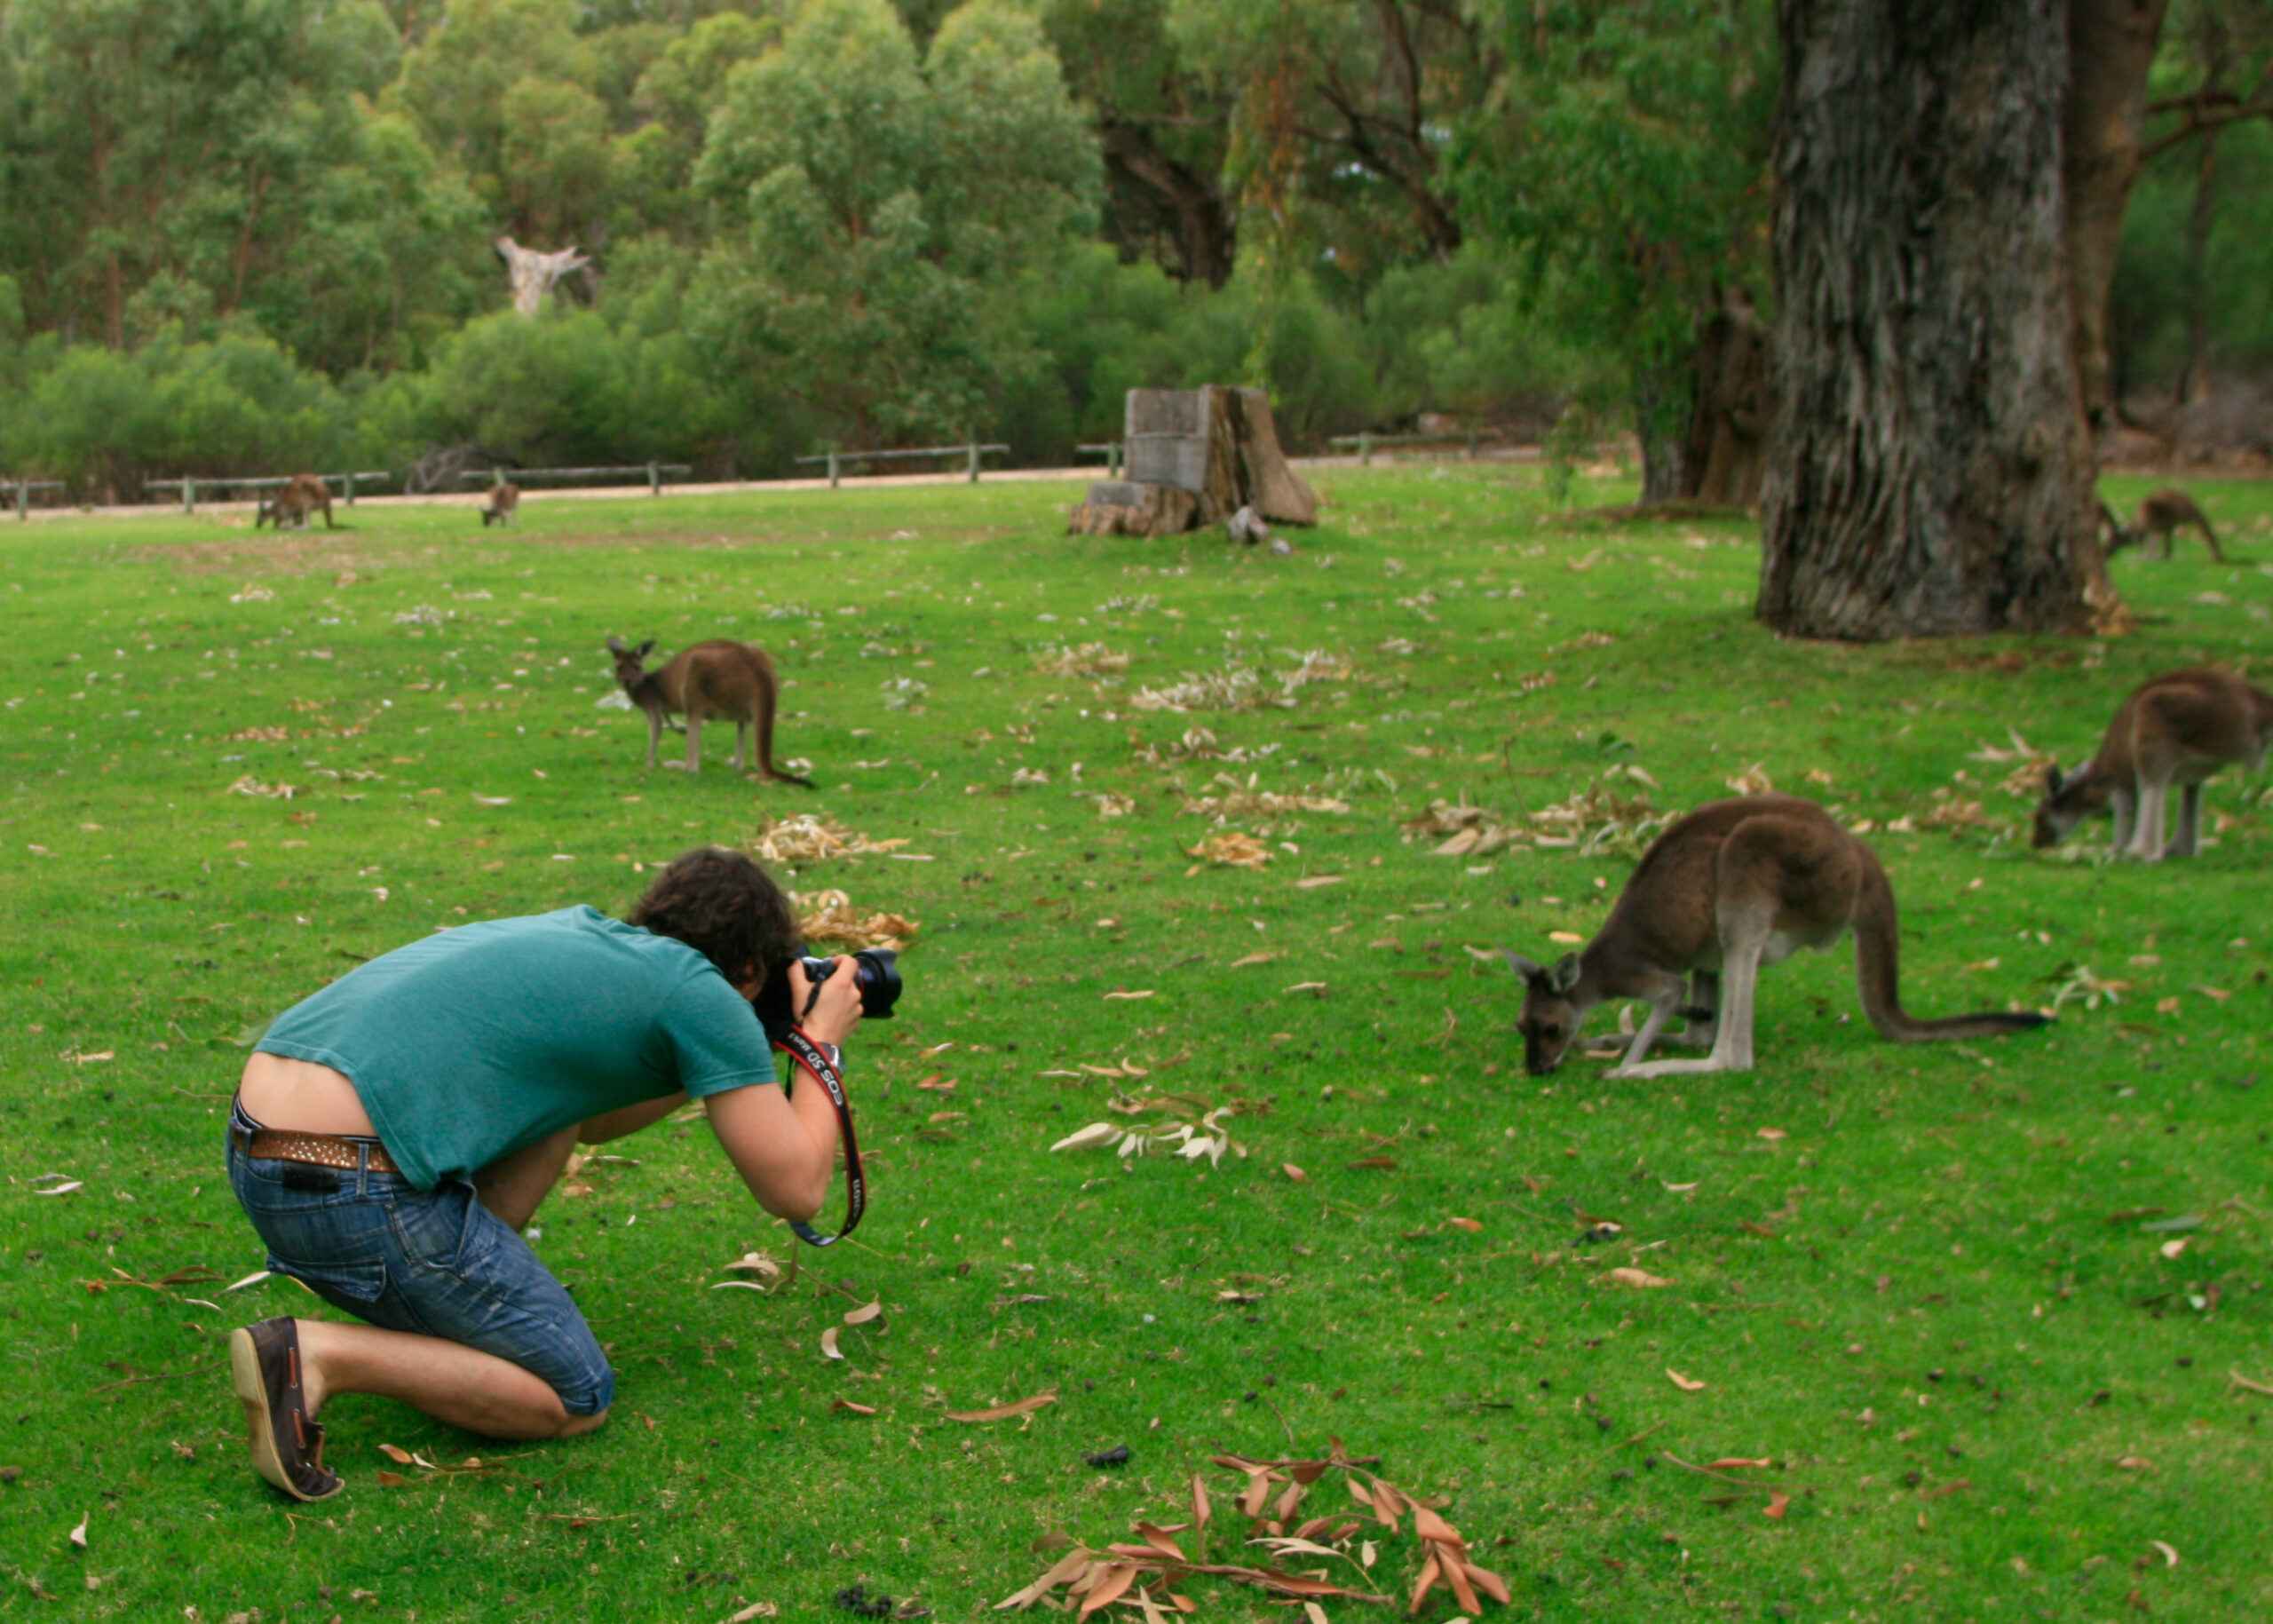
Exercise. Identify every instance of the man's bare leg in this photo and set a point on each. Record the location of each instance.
(462, 1386)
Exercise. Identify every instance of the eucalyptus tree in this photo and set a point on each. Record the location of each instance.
(879, 206)
(1624, 157)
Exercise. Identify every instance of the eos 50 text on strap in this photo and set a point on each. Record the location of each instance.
(815, 1060)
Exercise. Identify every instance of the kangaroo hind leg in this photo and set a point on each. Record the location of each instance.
(1703, 1010)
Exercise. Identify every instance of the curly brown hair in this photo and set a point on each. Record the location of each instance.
(726, 907)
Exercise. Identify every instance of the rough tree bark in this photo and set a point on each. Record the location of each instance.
(1728, 437)
(1930, 469)
(2111, 44)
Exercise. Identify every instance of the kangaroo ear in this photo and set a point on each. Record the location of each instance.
(645, 649)
(615, 645)
(2052, 778)
(1521, 965)
(1565, 976)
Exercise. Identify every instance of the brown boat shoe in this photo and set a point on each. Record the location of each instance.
(287, 1446)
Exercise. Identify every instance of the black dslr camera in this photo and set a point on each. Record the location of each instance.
(873, 971)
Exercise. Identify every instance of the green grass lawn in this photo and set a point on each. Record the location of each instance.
(1925, 1285)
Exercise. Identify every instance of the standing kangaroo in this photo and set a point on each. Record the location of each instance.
(2160, 517)
(721, 675)
(2179, 728)
(293, 500)
(505, 504)
(1734, 885)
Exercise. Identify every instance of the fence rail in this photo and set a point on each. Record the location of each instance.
(1365, 442)
(653, 471)
(23, 489)
(972, 451)
(1112, 450)
(189, 484)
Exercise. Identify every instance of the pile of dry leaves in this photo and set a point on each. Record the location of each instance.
(1342, 1553)
(1274, 813)
(1185, 1126)
(1598, 819)
(1200, 744)
(1087, 659)
(2024, 779)
(810, 836)
(1233, 849)
(828, 917)
(1242, 687)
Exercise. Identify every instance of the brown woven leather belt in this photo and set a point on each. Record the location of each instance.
(321, 1150)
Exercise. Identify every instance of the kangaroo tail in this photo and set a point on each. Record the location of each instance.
(768, 695)
(1878, 976)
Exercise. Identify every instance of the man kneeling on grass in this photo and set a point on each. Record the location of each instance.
(393, 1134)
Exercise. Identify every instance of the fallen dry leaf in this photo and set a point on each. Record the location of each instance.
(1470, 1224)
(1688, 1385)
(1004, 1411)
(79, 1535)
(1773, 1134)
(2167, 1006)
(1639, 1278)
(828, 1347)
(856, 1409)
(2172, 1249)
(2134, 1464)
(1147, 993)
(2169, 1552)
(389, 1480)
(1385, 1163)
(1081, 1139)
(1317, 880)
(865, 1313)
(399, 1456)
(1293, 1172)
(1779, 1502)
(1732, 1461)
(1253, 958)
(1568, 937)
(755, 1609)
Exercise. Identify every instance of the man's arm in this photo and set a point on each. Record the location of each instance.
(631, 1118)
(784, 1143)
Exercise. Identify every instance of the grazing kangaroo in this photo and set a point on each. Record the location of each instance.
(2160, 516)
(505, 504)
(293, 500)
(2179, 728)
(721, 675)
(1734, 885)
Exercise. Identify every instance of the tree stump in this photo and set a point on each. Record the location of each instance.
(1196, 457)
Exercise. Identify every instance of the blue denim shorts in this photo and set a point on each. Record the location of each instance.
(435, 1262)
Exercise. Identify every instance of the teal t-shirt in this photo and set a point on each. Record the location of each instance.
(482, 1039)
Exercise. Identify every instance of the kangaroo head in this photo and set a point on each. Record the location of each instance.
(2066, 803)
(630, 664)
(1552, 1016)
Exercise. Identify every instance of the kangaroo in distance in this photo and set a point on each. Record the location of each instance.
(719, 675)
(505, 504)
(1734, 885)
(293, 500)
(2160, 516)
(2179, 728)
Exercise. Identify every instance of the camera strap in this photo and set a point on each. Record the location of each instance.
(811, 1055)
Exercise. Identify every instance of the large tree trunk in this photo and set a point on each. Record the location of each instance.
(2194, 382)
(1929, 471)
(1664, 395)
(1728, 437)
(2111, 44)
